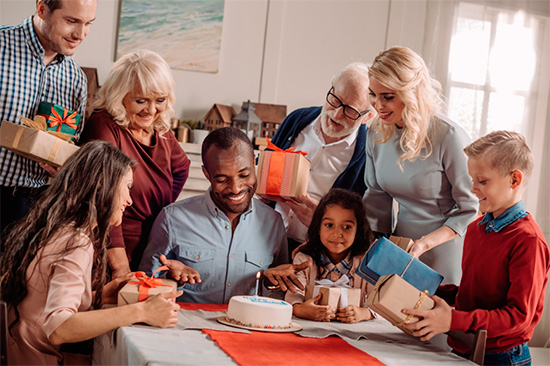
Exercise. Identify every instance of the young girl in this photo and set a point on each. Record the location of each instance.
(53, 267)
(337, 239)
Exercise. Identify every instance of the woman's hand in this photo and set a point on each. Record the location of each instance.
(431, 240)
(310, 310)
(160, 311)
(353, 314)
(111, 289)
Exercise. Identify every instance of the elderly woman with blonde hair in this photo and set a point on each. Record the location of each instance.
(415, 157)
(133, 112)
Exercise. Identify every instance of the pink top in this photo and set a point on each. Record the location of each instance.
(51, 301)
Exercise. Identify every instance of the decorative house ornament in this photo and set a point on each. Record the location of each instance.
(248, 120)
(219, 116)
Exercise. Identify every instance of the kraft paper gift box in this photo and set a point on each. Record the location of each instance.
(392, 294)
(144, 287)
(58, 118)
(282, 174)
(385, 258)
(331, 293)
(35, 144)
(402, 242)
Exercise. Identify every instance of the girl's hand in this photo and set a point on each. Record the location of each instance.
(111, 289)
(160, 311)
(310, 310)
(353, 314)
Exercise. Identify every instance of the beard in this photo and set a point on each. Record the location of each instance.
(337, 128)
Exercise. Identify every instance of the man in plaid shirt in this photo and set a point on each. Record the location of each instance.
(35, 66)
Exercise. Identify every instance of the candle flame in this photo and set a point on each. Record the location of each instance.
(258, 275)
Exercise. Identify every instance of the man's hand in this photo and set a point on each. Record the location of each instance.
(434, 322)
(285, 275)
(50, 169)
(304, 208)
(180, 272)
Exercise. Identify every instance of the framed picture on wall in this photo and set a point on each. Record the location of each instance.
(186, 33)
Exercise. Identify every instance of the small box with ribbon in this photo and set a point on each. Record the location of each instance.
(143, 287)
(338, 294)
(385, 258)
(282, 173)
(35, 143)
(58, 118)
(392, 294)
(402, 242)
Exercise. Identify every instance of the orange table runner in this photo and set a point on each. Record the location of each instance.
(267, 348)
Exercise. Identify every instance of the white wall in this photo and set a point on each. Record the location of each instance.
(272, 51)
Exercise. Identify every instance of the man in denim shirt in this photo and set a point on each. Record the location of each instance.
(215, 244)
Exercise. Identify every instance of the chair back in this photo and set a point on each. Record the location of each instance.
(3, 333)
(476, 341)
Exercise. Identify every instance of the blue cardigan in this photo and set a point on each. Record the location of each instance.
(353, 177)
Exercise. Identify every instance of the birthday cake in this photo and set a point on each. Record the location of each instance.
(259, 312)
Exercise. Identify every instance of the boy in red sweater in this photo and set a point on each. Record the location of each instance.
(505, 261)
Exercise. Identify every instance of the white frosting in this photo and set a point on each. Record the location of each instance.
(259, 312)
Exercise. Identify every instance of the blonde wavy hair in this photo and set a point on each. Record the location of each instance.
(403, 71)
(141, 71)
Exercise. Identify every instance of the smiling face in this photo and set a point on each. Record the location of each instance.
(232, 177)
(122, 198)
(62, 30)
(143, 110)
(337, 233)
(386, 102)
(496, 193)
(334, 124)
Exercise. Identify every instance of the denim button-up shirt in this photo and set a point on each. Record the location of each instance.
(198, 234)
(509, 216)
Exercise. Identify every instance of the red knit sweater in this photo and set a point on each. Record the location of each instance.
(159, 177)
(504, 276)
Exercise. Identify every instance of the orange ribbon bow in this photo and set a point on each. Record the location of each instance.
(56, 120)
(145, 283)
(272, 146)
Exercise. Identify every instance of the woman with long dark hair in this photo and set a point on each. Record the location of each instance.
(53, 269)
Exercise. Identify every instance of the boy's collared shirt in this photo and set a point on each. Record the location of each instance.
(509, 216)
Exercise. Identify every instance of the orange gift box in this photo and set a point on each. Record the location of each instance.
(144, 287)
(282, 173)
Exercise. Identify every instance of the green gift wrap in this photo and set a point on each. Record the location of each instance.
(58, 118)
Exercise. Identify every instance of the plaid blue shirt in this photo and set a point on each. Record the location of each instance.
(25, 82)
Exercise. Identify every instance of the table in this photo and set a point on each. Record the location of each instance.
(140, 345)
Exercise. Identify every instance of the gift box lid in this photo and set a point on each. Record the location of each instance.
(385, 258)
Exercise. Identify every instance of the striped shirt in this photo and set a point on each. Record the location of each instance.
(25, 81)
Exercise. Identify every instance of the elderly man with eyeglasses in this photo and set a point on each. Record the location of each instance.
(334, 137)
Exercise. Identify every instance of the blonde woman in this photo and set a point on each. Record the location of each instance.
(133, 112)
(415, 157)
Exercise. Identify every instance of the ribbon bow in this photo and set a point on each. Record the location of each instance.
(272, 146)
(341, 283)
(56, 120)
(145, 282)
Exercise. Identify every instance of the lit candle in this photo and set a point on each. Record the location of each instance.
(257, 282)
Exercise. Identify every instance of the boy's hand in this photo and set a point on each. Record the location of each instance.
(434, 322)
(353, 314)
(310, 310)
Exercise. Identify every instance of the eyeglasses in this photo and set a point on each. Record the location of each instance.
(349, 112)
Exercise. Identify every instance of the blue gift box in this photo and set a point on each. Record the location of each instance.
(385, 258)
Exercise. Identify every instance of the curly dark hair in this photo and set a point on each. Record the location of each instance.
(81, 198)
(348, 200)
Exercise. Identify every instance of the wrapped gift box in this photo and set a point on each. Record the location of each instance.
(384, 258)
(34, 144)
(331, 296)
(58, 118)
(402, 242)
(392, 294)
(130, 293)
(282, 174)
